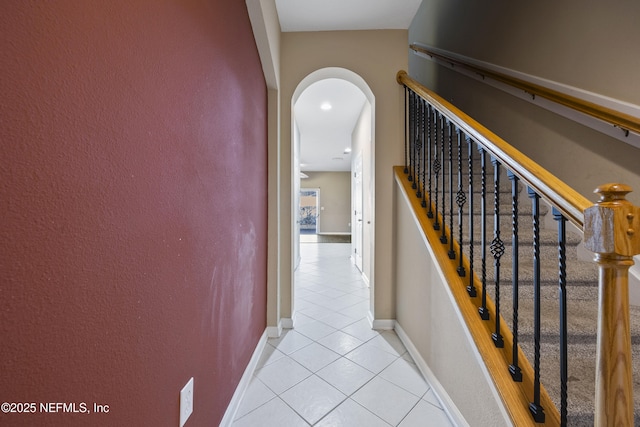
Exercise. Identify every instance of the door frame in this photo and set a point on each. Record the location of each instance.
(285, 291)
(357, 209)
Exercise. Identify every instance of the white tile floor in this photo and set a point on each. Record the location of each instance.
(333, 369)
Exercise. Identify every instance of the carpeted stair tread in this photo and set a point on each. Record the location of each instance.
(576, 270)
(581, 378)
(525, 237)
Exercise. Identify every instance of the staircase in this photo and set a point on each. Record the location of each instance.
(582, 282)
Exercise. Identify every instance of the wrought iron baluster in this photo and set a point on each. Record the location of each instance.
(432, 118)
(497, 249)
(412, 109)
(436, 167)
(416, 142)
(514, 368)
(443, 211)
(416, 183)
(471, 288)
(451, 253)
(484, 312)
(420, 150)
(534, 407)
(562, 295)
(423, 152)
(461, 199)
(425, 141)
(410, 140)
(406, 133)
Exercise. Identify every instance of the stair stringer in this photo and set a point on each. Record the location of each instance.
(447, 332)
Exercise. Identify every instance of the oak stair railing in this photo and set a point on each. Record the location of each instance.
(447, 156)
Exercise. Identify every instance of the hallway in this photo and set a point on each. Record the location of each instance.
(332, 369)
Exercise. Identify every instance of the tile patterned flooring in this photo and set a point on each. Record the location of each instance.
(332, 369)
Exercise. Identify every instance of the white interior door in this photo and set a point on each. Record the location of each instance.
(357, 221)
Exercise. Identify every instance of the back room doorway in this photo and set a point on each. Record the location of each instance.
(309, 218)
(333, 124)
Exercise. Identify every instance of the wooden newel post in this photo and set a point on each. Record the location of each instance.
(612, 231)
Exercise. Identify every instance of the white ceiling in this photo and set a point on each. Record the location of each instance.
(331, 15)
(324, 135)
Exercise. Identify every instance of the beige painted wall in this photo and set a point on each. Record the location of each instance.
(376, 56)
(429, 317)
(335, 198)
(590, 45)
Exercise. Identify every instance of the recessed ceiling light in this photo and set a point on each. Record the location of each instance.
(347, 150)
(326, 106)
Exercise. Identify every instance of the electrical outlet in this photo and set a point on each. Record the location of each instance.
(186, 402)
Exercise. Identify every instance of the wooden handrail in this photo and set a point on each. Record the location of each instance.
(567, 200)
(616, 118)
(611, 230)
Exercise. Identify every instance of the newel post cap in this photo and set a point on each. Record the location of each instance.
(612, 225)
(400, 75)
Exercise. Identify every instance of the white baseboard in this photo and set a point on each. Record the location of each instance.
(370, 318)
(456, 417)
(365, 279)
(274, 331)
(381, 324)
(232, 409)
(287, 323)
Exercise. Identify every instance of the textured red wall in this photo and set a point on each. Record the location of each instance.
(132, 207)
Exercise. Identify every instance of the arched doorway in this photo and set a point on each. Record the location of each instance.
(361, 162)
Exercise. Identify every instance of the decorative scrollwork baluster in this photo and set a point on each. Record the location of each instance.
(497, 249)
(425, 143)
(431, 130)
(423, 138)
(414, 141)
(418, 144)
(451, 253)
(484, 312)
(461, 199)
(436, 168)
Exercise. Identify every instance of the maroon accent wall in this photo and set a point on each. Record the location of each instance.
(133, 225)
